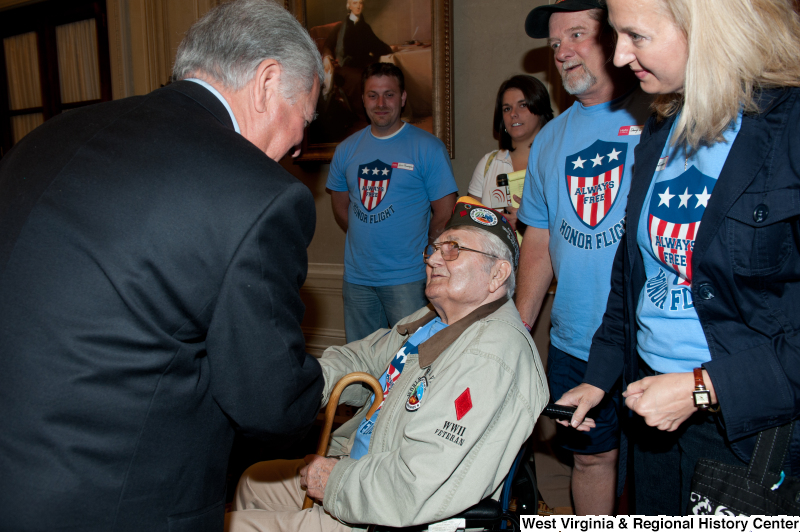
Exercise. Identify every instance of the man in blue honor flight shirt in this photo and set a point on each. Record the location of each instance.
(576, 191)
(392, 190)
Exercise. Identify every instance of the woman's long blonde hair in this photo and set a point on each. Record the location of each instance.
(736, 48)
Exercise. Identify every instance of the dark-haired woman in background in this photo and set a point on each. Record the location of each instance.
(522, 108)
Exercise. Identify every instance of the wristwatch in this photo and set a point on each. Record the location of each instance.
(700, 395)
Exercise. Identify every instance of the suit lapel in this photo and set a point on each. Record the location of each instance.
(205, 98)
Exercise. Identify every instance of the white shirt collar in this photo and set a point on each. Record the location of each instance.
(388, 136)
(505, 155)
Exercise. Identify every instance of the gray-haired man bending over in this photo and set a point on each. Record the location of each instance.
(151, 255)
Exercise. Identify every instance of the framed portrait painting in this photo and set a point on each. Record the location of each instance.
(414, 35)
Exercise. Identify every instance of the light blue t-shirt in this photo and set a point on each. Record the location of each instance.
(670, 337)
(392, 182)
(579, 174)
(364, 433)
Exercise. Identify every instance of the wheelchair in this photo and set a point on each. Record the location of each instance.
(519, 496)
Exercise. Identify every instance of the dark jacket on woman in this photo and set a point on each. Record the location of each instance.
(746, 276)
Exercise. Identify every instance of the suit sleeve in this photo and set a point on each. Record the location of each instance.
(375, 45)
(262, 378)
(772, 368)
(370, 355)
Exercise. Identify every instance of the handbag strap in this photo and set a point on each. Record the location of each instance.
(769, 453)
(489, 162)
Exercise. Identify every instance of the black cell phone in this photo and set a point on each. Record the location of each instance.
(559, 412)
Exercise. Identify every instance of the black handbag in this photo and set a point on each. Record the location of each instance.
(759, 489)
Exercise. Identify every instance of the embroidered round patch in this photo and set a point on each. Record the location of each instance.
(483, 216)
(416, 394)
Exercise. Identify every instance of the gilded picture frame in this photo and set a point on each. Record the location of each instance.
(319, 145)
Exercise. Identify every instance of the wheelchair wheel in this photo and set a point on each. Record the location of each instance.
(524, 495)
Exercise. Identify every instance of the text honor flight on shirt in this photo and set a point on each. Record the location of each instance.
(373, 218)
(608, 237)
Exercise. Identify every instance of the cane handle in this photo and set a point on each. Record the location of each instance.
(333, 402)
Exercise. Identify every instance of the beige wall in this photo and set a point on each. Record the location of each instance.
(490, 46)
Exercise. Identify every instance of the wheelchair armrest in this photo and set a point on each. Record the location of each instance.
(487, 509)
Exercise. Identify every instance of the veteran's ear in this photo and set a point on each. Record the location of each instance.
(501, 269)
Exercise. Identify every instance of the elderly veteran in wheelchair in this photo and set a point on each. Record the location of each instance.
(463, 388)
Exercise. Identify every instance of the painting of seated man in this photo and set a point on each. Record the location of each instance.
(352, 34)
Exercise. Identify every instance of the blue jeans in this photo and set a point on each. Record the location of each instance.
(369, 308)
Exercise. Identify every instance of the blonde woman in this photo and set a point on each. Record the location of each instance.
(706, 285)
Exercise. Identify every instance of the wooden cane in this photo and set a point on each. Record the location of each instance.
(330, 410)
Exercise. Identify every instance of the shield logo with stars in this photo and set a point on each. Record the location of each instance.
(373, 183)
(676, 208)
(594, 176)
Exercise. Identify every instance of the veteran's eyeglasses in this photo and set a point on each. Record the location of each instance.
(450, 251)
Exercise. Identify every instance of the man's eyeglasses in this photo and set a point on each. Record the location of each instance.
(449, 251)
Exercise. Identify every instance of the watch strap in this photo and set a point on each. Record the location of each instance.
(701, 395)
(699, 383)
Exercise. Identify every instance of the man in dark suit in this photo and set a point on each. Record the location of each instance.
(151, 255)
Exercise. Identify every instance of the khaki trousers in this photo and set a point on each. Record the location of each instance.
(268, 498)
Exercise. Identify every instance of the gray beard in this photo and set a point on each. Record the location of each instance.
(580, 85)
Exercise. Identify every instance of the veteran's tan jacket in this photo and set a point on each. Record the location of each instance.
(429, 464)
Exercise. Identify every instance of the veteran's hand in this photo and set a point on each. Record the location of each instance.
(583, 397)
(664, 401)
(314, 476)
